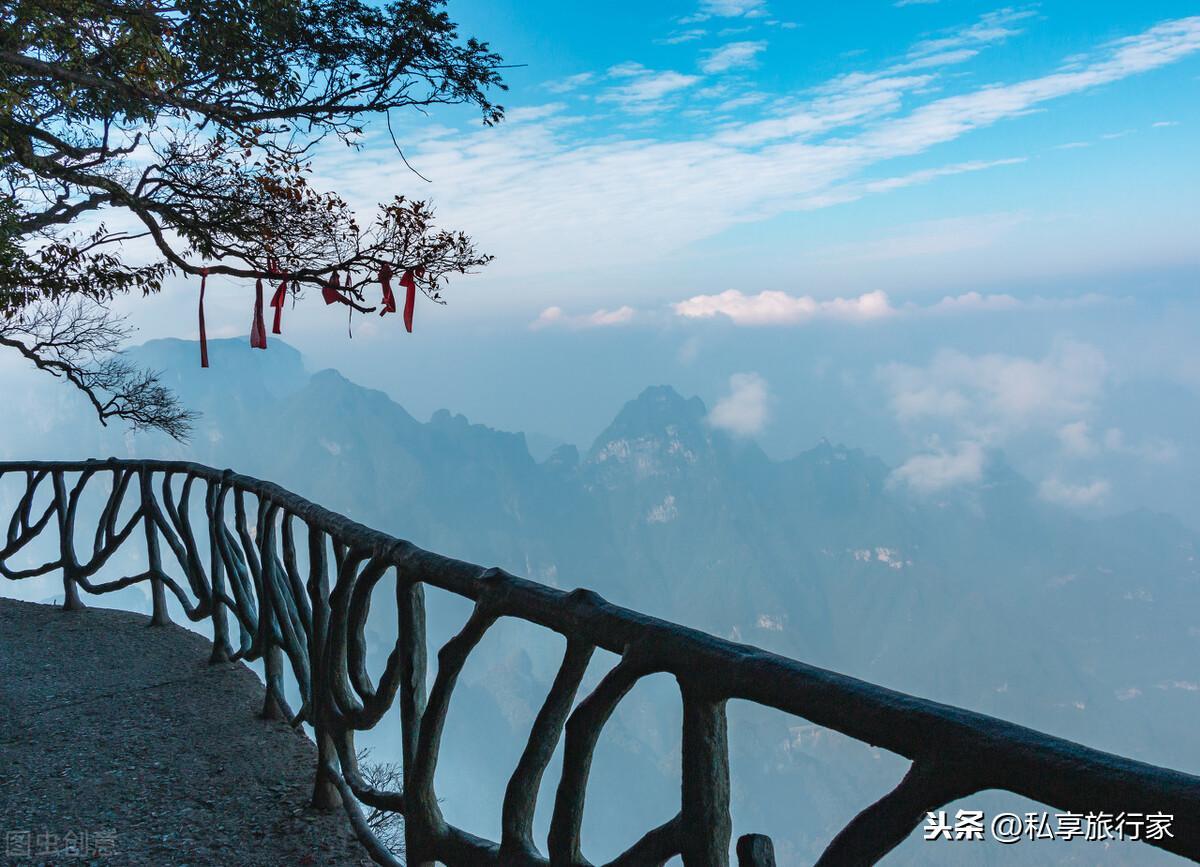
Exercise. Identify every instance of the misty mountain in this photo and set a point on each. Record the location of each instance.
(983, 596)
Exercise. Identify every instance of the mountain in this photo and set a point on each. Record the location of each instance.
(985, 597)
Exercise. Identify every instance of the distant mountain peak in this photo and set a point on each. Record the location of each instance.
(330, 374)
(234, 368)
(656, 411)
(664, 398)
(658, 433)
(230, 351)
(445, 419)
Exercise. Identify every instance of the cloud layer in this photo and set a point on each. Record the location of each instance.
(779, 308)
(936, 471)
(988, 400)
(993, 395)
(773, 307)
(1093, 493)
(557, 317)
(734, 55)
(745, 410)
(604, 182)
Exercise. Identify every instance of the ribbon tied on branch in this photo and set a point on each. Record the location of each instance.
(334, 291)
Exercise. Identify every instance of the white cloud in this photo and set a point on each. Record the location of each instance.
(989, 399)
(991, 27)
(955, 47)
(772, 307)
(976, 302)
(549, 316)
(644, 88)
(925, 175)
(744, 410)
(1054, 490)
(1155, 450)
(571, 82)
(628, 69)
(1159, 124)
(970, 302)
(683, 36)
(936, 471)
(951, 117)
(556, 316)
(534, 112)
(733, 8)
(845, 101)
(1077, 441)
(918, 400)
(990, 396)
(611, 317)
(735, 55)
(728, 9)
(931, 61)
(549, 196)
(742, 101)
(780, 308)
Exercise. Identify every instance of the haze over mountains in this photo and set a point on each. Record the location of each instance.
(985, 596)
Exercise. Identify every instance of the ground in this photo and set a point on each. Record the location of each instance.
(121, 745)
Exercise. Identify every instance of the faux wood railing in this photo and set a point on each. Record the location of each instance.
(249, 570)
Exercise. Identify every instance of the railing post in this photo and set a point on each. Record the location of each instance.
(267, 615)
(520, 797)
(705, 824)
(273, 663)
(159, 617)
(410, 604)
(755, 850)
(66, 546)
(325, 793)
(221, 650)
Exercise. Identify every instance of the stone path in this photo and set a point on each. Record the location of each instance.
(121, 745)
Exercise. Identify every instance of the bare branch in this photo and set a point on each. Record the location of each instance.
(388, 826)
(81, 342)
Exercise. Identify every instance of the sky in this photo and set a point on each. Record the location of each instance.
(930, 229)
(747, 147)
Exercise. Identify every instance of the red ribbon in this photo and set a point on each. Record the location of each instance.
(385, 280)
(203, 333)
(331, 291)
(258, 330)
(410, 298)
(277, 302)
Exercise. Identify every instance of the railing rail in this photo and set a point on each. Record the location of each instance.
(251, 572)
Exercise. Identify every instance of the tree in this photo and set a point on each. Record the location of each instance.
(191, 124)
(386, 825)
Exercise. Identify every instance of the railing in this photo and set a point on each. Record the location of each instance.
(251, 572)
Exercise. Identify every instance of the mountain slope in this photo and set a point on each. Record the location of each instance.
(984, 597)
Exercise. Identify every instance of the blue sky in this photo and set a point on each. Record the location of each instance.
(932, 229)
(749, 146)
(654, 153)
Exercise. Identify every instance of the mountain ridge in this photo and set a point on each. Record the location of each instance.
(984, 597)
